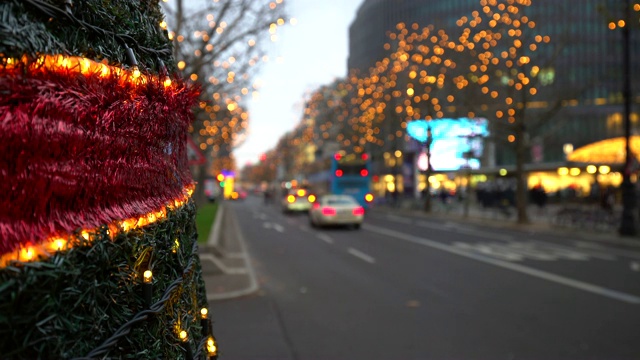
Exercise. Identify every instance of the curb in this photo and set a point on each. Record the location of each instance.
(214, 241)
(214, 234)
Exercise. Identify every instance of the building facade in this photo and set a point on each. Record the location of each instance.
(585, 61)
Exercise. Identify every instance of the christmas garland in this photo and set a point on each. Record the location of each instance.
(82, 151)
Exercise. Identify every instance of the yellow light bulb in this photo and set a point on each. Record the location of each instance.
(204, 312)
(184, 336)
(211, 346)
(147, 276)
(59, 244)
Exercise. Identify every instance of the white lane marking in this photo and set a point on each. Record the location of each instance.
(362, 256)
(326, 238)
(526, 251)
(635, 266)
(399, 219)
(613, 294)
(563, 251)
(612, 251)
(431, 225)
(488, 250)
(266, 225)
(570, 252)
(464, 230)
(480, 233)
(278, 227)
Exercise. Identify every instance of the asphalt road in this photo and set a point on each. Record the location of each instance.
(407, 287)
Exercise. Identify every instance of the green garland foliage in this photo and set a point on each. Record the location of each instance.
(68, 305)
(95, 29)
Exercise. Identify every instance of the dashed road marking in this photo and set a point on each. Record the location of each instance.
(362, 256)
(274, 226)
(326, 238)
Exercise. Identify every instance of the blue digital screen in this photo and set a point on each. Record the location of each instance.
(451, 139)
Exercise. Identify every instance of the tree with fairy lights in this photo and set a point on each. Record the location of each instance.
(98, 250)
(221, 46)
(512, 64)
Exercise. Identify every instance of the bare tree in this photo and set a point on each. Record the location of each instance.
(220, 45)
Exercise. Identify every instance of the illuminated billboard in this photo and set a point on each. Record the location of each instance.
(451, 139)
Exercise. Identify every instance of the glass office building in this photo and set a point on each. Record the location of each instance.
(587, 61)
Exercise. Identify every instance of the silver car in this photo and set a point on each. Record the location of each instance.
(336, 210)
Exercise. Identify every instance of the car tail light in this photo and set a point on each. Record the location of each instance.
(368, 198)
(291, 198)
(311, 198)
(358, 211)
(329, 211)
(364, 172)
(316, 206)
(338, 173)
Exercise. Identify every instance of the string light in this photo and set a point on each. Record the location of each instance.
(147, 287)
(80, 65)
(212, 348)
(204, 321)
(184, 337)
(56, 243)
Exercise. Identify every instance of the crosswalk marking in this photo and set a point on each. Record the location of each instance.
(576, 284)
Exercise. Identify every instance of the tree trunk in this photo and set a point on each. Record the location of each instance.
(521, 178)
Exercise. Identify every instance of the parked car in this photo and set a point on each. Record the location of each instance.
(297, 200)
(336, 210)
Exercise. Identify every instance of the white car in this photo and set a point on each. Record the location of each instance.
(336, 210)
(297, 200)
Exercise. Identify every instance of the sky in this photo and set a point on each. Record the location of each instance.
(307, 55)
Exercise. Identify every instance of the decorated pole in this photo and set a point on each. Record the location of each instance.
(98, 244)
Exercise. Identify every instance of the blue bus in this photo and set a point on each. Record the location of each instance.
(347, 174)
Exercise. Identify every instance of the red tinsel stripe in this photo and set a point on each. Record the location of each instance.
(80, 151)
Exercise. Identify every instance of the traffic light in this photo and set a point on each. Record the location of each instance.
(220, 178)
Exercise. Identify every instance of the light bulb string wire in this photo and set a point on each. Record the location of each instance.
(125, 40)
(156, 308)
(201, 346)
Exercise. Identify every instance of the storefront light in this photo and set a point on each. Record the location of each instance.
(563, 171)
(574, 171)
(503, 172)
(604, 169)
(592, 169)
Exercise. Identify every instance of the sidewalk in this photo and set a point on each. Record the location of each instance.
(226, 267)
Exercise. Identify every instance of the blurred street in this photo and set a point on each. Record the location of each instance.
(412, 286)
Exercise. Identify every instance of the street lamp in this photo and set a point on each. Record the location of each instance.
(627, 225)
